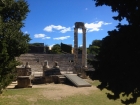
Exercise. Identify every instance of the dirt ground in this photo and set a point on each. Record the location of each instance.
(59, 91)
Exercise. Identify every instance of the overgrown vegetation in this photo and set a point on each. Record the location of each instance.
(13, 41)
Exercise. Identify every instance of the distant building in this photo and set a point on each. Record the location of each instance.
(66, 48)
(37, 44)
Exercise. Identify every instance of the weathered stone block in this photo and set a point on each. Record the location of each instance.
(23, 82)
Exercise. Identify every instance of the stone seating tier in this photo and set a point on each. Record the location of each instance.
(36, 60)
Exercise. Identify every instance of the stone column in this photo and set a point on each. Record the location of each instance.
(75, 46)
(84, 49)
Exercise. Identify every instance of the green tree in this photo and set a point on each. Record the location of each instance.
(119, 55)
(13, 42)
(94, 48)
(128, 9)
(56, 49)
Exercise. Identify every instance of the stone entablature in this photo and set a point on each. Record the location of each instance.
(79, 25)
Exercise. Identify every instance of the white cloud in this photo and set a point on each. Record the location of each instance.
(62, 38)
(107, 23)
(39, 35)
(46, 38)
(59, 27)
(48, 29)
(95, 26)
(43, 36)
(65, 30)
(62, 29)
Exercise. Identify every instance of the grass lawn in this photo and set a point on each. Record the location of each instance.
(30, 96)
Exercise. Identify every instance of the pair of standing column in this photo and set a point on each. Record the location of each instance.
(84, 50)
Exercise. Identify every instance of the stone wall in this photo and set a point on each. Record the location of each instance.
(36, 60)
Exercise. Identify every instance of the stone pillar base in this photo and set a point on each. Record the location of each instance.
(23, 82)
(83, 73)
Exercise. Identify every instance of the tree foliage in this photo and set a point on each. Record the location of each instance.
(94, 48)
(119, 63)
(56, 49)
(118, 60)
(129, 9)
(13, 41)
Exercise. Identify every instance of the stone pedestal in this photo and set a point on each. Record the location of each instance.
(23, 82)
(23, 76)
(23, 70)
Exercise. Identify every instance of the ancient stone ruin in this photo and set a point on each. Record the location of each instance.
(80, 68)
(57, 68)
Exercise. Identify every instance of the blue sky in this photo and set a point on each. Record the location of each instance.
(52, 21)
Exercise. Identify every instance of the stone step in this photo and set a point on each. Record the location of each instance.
(62, 79)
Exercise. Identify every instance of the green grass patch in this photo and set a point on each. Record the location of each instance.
(31, 96)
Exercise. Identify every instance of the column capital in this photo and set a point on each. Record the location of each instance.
(75, 30)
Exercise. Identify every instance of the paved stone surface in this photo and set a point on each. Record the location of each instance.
(77, 81)
(12, 85)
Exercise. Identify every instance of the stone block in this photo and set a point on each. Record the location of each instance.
(23, 82)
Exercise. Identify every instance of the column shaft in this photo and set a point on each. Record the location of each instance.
(84, 49)
(75, 46)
